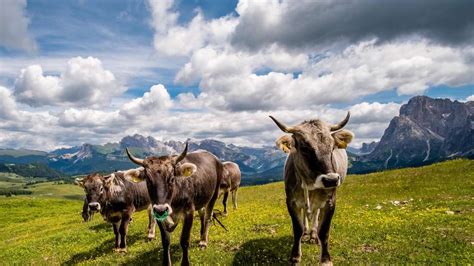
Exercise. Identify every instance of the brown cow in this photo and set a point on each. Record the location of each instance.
(178, 186)
(117, 199)
(230, 183)
(315, 167)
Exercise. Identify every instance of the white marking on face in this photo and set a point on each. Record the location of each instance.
(318, 183)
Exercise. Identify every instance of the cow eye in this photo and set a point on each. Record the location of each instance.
(171, 180)
(101, 189)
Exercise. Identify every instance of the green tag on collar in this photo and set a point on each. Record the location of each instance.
(160, 218)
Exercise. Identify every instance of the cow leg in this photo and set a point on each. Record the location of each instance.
(297, 221)
(234, 199)
(123, 230)
(323, 233)
(207, 220)
(201, 217)
(165, 242)
(151, 223)
(185, 237)
(313, 236)
(117, 236)
(224, 202)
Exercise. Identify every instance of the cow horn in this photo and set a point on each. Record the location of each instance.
(183, 154)
(282, 126)
(133, 158)
(342, 123)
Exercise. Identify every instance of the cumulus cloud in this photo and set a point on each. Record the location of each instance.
(8, 108)
(314, 23)
(84, 82)
(231, 81)
(152, 102)
(173, 39)
(470, 98)
(14, 26)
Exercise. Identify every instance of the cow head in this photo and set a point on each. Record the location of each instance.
(312, 144)
(93, 185)
(161, 175)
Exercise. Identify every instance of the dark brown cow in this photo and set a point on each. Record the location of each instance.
(230, 183)
(178, 186)
(315, 167)
(117, 199)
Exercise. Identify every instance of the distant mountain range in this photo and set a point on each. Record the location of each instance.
(426, 131)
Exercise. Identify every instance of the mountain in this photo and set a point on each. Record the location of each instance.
(109, 157)
(426, 131)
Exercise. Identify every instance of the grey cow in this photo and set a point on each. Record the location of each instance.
(316, 165)
(178, 186)
(117, 199)
(230, 183)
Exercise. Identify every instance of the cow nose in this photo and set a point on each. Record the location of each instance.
(160, 209)
(95, 206)
(331, 180)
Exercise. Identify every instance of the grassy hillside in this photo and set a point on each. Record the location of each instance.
(420, 215)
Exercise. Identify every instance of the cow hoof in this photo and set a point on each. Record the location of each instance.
(305, 238)
(326, 263)
(202, 245)
(151, 237)
(224, 214)
(313, 240)
(120, 250)
(294, 260)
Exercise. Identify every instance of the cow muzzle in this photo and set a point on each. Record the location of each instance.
(161, 209)
(94, 206)
(331, 180)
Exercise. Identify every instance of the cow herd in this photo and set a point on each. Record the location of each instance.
(172, 187)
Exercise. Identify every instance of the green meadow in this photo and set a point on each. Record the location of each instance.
(407, 216)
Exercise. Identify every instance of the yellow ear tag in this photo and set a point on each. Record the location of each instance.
(136, 178)
(286, 149)
(340, 143)
(187, 172)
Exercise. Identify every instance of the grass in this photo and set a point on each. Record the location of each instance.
(432, 223)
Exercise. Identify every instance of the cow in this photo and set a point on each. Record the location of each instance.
(178, 186)
(117, 199)
(230, 183)
(315, 167)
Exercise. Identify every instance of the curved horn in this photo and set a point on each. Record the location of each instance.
(282, 126)
(133, 158)
(342, 123)
(183, 154)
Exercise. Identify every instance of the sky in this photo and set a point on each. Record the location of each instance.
(86, 71)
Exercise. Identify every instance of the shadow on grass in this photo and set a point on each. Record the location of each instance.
(102, 227)
(271, 251)
(100, 250)
(155, 256)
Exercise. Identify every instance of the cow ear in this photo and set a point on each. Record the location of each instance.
(135, 175)
(285, 143)
(79, 182)
(342, 138)
(187, 169)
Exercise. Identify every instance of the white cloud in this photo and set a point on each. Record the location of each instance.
(470, 98)
(150, 105)
(14, 26)
(173, 39)
(84, 82)
(8, 108)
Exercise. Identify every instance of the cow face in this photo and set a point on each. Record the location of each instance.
(161, 175)
(93, 185)
(312, 144)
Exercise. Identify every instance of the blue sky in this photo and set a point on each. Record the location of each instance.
(94, 71)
